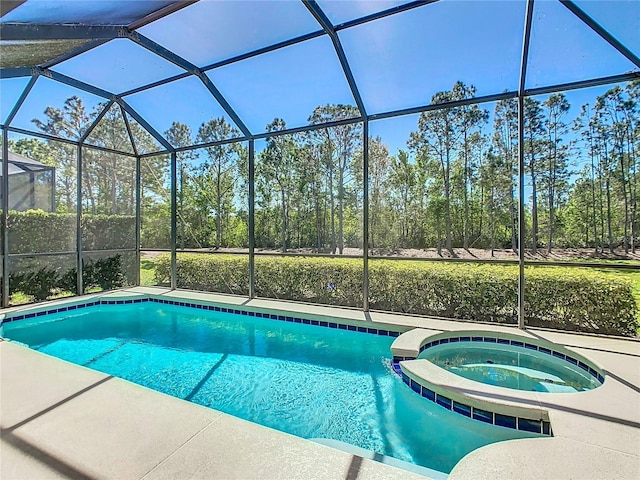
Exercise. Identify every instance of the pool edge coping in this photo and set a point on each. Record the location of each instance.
(117, 298)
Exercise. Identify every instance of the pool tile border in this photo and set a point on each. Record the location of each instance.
(216, 308)
(517, 423)
(516, 343)
(541, 427)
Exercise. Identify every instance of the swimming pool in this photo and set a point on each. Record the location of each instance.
(312, 381)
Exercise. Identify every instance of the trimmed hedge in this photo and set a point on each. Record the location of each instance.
(481, 292)
(310, 279)
(580, 299)
(318, 280)
(36, 231)
(44, 277)
(211, 273)
(555, 297)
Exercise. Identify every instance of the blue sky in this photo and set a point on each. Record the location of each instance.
(398, 62)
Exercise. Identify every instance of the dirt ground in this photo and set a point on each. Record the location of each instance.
(572, 254)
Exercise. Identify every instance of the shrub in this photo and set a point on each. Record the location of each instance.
(480, 292)
(39, 277)
(555, 297)
(212, 273)
(163, 269)
(41, 281)
(36, 231)
(580, 299)
(335, 281)
(105, 273)
(108, 232)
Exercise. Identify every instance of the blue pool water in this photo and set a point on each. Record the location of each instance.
(310, 381)
(511, 367)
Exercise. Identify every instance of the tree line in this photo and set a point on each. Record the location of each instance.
(453, 185)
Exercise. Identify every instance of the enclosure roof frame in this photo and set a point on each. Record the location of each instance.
(99, 34)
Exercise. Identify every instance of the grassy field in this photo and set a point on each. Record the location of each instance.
(147, 272)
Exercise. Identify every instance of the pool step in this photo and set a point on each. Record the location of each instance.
(394, 462)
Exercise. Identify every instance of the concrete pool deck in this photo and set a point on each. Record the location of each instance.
(60, 420)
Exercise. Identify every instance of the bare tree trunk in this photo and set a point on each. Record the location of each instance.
(633, 184)
(341, 211)
(89, 192)
(447, 204)
(114, 198)
(534, 212)
(600, 195)
(512, 211)
(492, 221)
(625, 240)
(332, 212)
(284, 220)
(634, 203)
(439, 231)
(316, 199)
(608, 190)
(593, 199)
(465, 242)
(551, 193)
(68, 188)
(481, 213)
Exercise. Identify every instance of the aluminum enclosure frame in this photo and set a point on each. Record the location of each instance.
(326, 29)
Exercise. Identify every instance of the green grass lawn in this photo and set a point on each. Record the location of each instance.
(147, 272)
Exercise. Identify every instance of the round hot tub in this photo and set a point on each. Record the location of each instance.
(510, 363)
(466, 372)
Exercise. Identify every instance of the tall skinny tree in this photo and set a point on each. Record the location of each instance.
(219, 171)
(277, 164)
(338, 144)
(556, 107)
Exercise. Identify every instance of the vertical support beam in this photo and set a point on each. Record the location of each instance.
(79, 168)
(521, 214)
(32, 190)
(521, 180)
(138, 220)
(365, 215)
(53, 190)
(174, 225)
(5, 212)
(252, 211)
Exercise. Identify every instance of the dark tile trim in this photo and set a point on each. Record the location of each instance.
(481, 415)
(516, 343)
(507, 421)
(319, 323)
